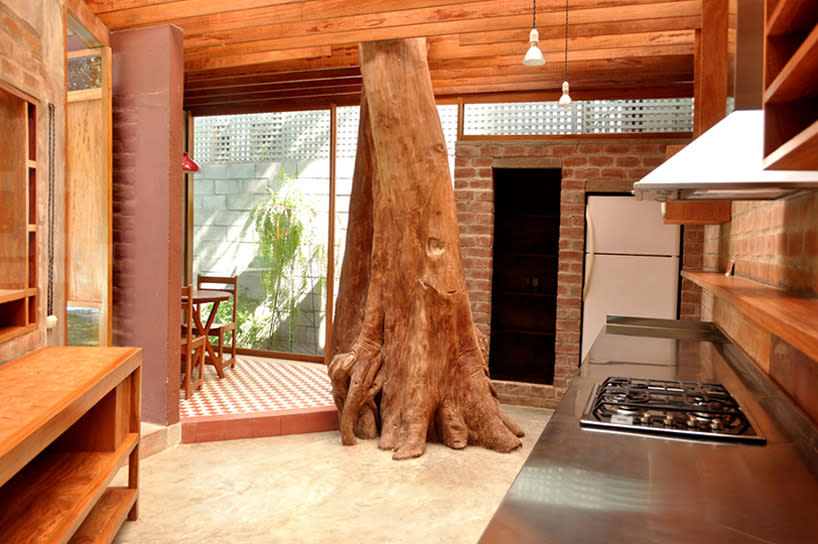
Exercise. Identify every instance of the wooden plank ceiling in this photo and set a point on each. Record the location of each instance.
(270, 55)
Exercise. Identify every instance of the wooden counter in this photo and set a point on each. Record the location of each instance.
(70, 419)
(789, 316)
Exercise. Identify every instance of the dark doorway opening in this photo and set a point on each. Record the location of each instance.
(524, 282)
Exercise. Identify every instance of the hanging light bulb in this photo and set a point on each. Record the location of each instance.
(533, 56)
(565, 99)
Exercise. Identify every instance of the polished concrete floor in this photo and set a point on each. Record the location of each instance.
(308, 488)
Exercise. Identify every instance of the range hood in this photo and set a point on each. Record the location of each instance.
(724, 163)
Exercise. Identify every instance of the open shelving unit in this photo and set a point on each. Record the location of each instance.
(18, 214)
(791, 85)
(524, 282)
(70, 420)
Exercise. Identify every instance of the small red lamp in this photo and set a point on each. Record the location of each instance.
(188, 165)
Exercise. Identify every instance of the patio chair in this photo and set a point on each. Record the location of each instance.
(231, 285)
(193, 346)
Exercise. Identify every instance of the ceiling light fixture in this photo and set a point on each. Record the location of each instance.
(534, 56)
(188, 165)
(565, 99)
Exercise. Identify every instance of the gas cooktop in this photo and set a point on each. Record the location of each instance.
(670, 408)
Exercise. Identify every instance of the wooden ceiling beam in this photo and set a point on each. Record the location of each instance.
(612, 28)
(278, 78)
(641, 44)
(242, 59)
(345, 57)
(279, 88)
(354, 30)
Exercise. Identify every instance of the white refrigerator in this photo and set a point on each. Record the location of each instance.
(631, 263)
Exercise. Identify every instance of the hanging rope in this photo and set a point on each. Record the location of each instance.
(51, 152)
(566, 40)
(534, 22)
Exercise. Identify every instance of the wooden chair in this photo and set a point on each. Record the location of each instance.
(231, 285)
(193, 346)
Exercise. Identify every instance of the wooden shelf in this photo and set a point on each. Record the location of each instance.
(8, 295)
(70, 420)
(788, 15)
(797, 80)
(13, 331)
(107, 516)
(798, 153)
(791, 92)
(52, 496)
(789, 316)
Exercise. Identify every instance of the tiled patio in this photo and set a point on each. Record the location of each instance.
(259, 397)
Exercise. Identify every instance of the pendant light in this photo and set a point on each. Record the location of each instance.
(565, 99)
(188, 165)
(534, 56)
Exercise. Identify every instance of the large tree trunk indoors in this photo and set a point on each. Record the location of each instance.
(406, 359)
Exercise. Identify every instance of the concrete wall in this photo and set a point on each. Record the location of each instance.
(148, 122)
(32, 60)
(225, 240)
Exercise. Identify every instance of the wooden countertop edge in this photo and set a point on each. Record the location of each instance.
(790, 316)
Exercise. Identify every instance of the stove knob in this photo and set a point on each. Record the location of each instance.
(691, 422)
(716, 424)
(670, 421)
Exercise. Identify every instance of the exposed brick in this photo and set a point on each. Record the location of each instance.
(618, 173)
(627, 162)
(618, 149)
(575, 161)
(589, 149)
(586, 173)
(562, 150)
(601, 160)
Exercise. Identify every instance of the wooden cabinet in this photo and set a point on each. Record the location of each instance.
(70, 419)
(18, 214)
(791, 85)
(524, 281)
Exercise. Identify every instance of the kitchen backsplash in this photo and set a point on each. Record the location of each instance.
(775, 243)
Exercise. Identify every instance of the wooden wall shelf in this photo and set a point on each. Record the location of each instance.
(70, 420)
(18, 243)
(791, 91)
(789, 316)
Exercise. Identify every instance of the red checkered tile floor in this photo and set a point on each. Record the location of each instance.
(257, 385)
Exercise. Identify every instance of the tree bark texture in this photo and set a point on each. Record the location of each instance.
(406, 361)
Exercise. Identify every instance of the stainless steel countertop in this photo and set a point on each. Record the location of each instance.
(585, 486)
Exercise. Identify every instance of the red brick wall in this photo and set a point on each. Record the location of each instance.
(772, 242)
(690, 299)
(621, 161)
(775, 243)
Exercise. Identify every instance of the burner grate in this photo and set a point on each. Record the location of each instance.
(693, 409)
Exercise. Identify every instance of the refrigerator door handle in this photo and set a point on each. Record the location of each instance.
(589, 249)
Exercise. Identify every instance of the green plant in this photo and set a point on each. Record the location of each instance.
(286, 254)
